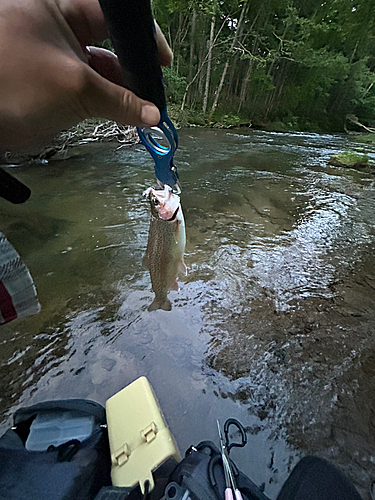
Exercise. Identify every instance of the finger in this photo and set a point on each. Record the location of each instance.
(105, 63)
(165, 52)
(87, 22)
(104, 99)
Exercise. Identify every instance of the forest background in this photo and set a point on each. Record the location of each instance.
(272, 64)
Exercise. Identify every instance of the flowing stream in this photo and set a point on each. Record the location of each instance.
(274, 324)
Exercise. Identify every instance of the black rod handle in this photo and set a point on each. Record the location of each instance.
(12, 189)
(131, 26)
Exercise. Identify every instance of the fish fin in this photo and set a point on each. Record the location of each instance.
(166, 305)
(182, 268)
(174, 286)
(145, 262)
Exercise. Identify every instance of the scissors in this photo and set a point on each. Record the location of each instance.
(132, 31)
(231, 490)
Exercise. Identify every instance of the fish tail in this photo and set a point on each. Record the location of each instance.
(164, 304)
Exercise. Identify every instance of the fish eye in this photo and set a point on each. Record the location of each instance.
(156, 201)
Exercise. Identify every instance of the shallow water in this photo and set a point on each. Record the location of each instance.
(273, 324)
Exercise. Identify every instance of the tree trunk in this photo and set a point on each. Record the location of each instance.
(192, 43)
(233, 44)
(178, 43)
(218, 90)
(209, 64)
(273, 99)
(232, 74)
(200, 86)
(245, 82)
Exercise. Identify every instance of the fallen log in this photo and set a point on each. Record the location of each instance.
(84, 133)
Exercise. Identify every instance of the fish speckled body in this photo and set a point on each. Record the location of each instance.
(164, 256)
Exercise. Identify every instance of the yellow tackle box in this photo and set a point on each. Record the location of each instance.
(139, 438)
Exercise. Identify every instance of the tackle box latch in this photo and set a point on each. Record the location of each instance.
(149, 433)
(121, 456)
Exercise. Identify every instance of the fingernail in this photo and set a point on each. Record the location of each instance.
(150, 115)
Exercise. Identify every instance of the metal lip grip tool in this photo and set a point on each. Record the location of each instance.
(132, 30)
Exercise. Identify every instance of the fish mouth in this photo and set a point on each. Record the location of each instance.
(173, 218)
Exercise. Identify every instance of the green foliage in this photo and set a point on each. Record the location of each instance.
(305, 65)
(231, 120)
(368, 138)
(175, 85)
(228, 120)
(186, 117)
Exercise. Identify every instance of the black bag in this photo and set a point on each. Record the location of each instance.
(201, 472)
(73, 470)
(314, 478)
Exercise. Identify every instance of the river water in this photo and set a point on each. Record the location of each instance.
(274, 324)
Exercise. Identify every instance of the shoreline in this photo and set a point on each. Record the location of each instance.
(99, 131)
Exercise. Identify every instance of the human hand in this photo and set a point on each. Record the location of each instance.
(50, 79)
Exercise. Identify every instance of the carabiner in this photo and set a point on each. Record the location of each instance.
(161, 142)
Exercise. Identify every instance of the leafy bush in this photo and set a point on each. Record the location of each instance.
(175, 85)
(186, 117)
(231, 120)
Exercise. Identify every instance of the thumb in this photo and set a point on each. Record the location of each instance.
(102, 98)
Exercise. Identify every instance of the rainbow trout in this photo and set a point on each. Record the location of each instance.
(164, 256)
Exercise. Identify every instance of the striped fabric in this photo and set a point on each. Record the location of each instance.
(17, 290)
